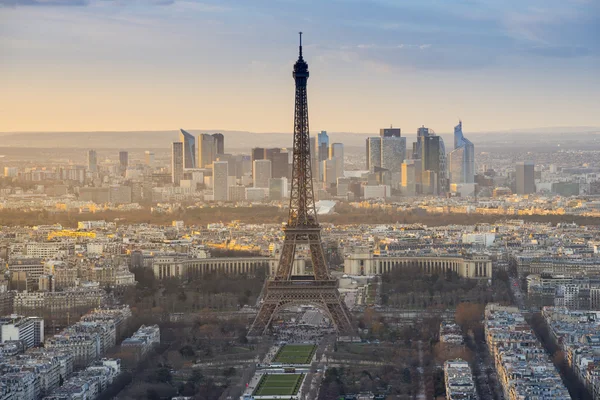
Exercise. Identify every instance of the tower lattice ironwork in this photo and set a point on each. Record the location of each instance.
(285, 289)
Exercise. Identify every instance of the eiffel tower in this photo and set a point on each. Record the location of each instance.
(284, 289)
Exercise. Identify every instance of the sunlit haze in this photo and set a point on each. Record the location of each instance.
(91, 65)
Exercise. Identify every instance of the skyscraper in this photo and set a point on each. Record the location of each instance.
(393, 151)
(220, 180)
(409, 181)
(232, 160)
(442, 174)
(206, 150)
(149, 157)
(373, 153)
(430, 149)
(314, 157)
(336, 153)
(279, 162)
(123, 160)
(278, 188)
(330, 173)
(219, 143)
(429, 184)
(258, 153)
(92, 161)
(461, 160)
(430, 153)
(262, 173)
(323, 145)
(430, 161)
(189, 149)
(177, 162)
(389, 132)
(421, 132)
(525, 177)
(387, 151)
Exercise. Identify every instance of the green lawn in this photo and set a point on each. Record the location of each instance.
(295, 354)
(279, 385)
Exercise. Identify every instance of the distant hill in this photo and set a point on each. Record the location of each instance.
(240, 140)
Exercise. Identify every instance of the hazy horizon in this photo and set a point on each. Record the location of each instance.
(539, 130)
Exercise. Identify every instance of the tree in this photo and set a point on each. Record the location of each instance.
(469, 315)
(163, 374)
(229, 372)
(196, 376)
(187, 351)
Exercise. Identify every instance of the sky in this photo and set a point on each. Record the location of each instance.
(93, 65)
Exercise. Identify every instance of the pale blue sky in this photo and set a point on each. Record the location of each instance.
(154, 64)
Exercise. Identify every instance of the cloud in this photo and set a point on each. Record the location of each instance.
(14, 3)
(560, 51)
(373, 46)
(68, 3)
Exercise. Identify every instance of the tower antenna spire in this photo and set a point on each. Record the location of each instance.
(300, 33)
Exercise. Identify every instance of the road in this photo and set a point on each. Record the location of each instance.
(313, 380)
(484, 373)
(421, 395)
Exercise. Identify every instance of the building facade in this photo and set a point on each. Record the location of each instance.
(220, 180)
(525, 177)
(262, 173)
(177, 163)
(189, 149)
(474, 267)
(461, 160)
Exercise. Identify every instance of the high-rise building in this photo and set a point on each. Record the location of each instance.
(244, 165)
(257, 153)
(429, 184)
(189, 149)
(236, 193)
(92, 161)
(323, 145)
(389, 132)
(525, 177)
(409, 179)
(232, 160)
(442, 174)
(393, 151)
(123, 160)
(279, 162)
(205, 145)
(330, 173)
(314, 157)
(430, 153)
(461, 160)
(430, 149)
(278, 189)
(219, 143)
(176, 162)
(421, 132)
(373, 153)
(149, 157)
(336, 153)
(385, 154)
(430, 161)
(262, 173)
(220, 180)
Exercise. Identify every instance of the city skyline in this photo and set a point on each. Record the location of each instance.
(405, 62)
(223, 263)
